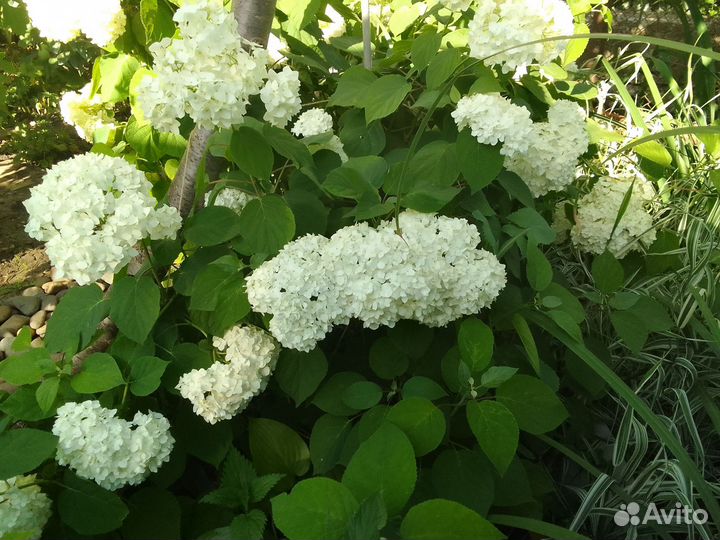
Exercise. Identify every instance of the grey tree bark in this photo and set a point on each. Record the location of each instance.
(254, 18)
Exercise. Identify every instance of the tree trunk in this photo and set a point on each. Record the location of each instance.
(254, 18)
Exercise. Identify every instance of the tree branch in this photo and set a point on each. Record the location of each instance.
(254, 18)
(182, 190)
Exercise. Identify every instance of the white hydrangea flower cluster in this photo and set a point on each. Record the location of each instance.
(227, 387)
(492, 119)
(336, 27)
(232, 198)
(543, 154)
(551, 160)
(86, 114)
(24, 508)
(457, 5)
(205, 73)
(102, 21)
(597, 211)
(314, 122)
(433, 274)
(90, 211)
(111, 451)
(281, 96)
(501, 24)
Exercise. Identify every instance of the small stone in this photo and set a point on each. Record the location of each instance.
(108, 278)
(103, 286)
(48, 302)
(5, 312)
(27, 305)
(61, 293)
(13, 325)
(6, 345)
(53, 287)
(37, 343)
(38, 320)
(32, 291)
(41, 331)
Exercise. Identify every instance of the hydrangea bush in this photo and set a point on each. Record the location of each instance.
(362, 329)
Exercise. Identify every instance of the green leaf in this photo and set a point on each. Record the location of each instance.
(384, 96)
(116, 72)
(352, 88)
(267, 224)
(329, 397)
(88, 508)
(424, 48)
(249, 526)
(466, 477)
(368, 520)
(24, 450)
(440, 518)
(385, 464)
(607, 273)
(387, 360)
(27, 368)
(299, 373)
(653, 314)
(157, 20)
(476, 343)
(631, 329)
(535, 406)
(541, 528)
(47, 392)
(311, 215)
(315, 508)
(261, 486)
(362, 395)
(135, 306)
(526, 337)
(358, 138)
(538, 230)
(327, 440)
(348, 183)
(99, 373)
(287, 146)
(154, 513)
(277, 448)
(496, 431)
(145, 374)
(212, 226)
(76, 319)
(442, 67)
(252, 153)
(209, 289)
(539, 271)
(480, 164)
(421, 421)
(496, 375)
(424, 387)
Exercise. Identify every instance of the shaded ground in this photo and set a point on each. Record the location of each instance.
(22, 261)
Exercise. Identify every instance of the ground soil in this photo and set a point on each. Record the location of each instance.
(22, 260)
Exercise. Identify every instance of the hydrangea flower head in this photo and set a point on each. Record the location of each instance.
(232, 198)
(226, 387)
(313, 122)
(109, 450)
(90, 211)
(281, 96)
(24, 509)
(85, 113)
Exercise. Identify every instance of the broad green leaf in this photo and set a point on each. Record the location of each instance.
(421, 421)
(526, 337)
(24, 450)
(607, 273)
(384, 96)
(251, 153)
(209, 289)
(212, 226)
(27, 368)
(362, 395)
(145, 374)
(352, 88)
(466, 477)
(479, 163)
(88, 508)
(424, 387)
(424, 48)
(311, 215)
(387, 359)
(267, 224)
(76, 319)
(496, 375)
(630, 328)
(154, 513)
(99, 373)
(538, 230)
(476, 343)
(541, 528)
(116, 72)
(327, 440)
(385, 464)
(47, 392)
(299, 374)
(496, 431)
(359, 138)
(329, 397)
(157, 20)
(440, 518)
(288, 146)
(653, 314)
(135, 306)
(368, 520)
(350, 184)
(539, 271)
(249, 526)
(442, 67)
(535, 406)
(276, 447)
(315, 508)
